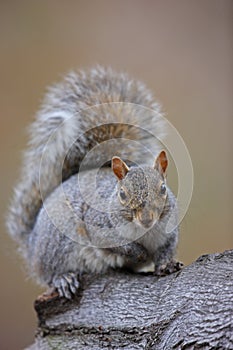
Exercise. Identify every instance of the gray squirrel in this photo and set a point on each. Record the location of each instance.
(90, 198)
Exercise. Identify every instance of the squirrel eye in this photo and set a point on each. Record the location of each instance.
(163, 189)
(122, 194)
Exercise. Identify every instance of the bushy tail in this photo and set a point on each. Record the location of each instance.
(84, 116)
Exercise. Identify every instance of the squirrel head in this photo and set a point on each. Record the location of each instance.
(142, 189)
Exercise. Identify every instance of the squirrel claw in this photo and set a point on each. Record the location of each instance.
(66, 284)
(170, 267)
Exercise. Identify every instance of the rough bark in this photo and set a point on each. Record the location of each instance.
(190, 309)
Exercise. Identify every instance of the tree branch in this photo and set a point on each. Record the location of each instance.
(190, 309)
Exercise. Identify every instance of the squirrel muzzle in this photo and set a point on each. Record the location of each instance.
(147, 217)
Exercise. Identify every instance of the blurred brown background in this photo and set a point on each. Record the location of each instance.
(181, 49)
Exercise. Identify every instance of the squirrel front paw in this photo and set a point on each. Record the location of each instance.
(133, 252)
(66, 284)
(136, 253)
(170, 267)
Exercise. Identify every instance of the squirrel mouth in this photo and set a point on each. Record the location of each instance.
(147, 223)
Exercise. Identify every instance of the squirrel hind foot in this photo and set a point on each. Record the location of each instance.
(66, 284)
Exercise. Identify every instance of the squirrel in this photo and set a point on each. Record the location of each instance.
(90, 198)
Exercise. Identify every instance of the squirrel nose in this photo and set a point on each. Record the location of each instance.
(146, 218)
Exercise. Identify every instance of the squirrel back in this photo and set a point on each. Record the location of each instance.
(84, 121)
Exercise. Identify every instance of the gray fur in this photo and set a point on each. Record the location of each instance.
(63, 236)
(68, 106)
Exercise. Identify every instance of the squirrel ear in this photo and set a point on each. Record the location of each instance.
(161, 162)
(119, 168)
